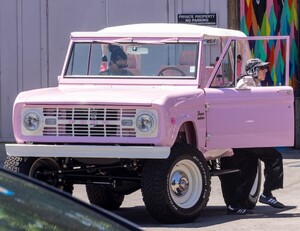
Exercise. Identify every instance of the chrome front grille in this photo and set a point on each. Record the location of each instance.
(91, 122)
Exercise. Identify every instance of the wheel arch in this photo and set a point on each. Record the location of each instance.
(187, 133)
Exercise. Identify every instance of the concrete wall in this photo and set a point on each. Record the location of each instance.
(34, 36)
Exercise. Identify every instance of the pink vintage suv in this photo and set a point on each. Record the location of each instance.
(160, 124)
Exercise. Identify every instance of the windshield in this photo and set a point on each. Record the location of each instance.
(139, 60)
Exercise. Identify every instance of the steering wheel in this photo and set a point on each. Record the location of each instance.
(161, 73)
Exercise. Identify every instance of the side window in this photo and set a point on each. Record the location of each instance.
(225, 65)
(275, 52)
(223, 58)
(231, 67)
(224, 62)
(210, 52)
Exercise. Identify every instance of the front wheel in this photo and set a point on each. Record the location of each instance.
(177, 189)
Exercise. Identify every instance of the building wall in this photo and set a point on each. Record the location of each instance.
(274, 17)
(34, 36)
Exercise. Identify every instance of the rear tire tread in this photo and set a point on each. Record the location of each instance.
(102, 197)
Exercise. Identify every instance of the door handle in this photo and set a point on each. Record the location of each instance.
(289, 92)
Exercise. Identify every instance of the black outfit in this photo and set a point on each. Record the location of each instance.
(273, 171)
(236, 187)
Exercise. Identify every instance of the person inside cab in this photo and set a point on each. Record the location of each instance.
(117, 64)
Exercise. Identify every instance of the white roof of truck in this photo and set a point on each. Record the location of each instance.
(160, 30)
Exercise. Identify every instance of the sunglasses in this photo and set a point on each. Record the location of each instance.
(263, 68)
(121, 65)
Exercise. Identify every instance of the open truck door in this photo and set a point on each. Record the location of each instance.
(254, 117)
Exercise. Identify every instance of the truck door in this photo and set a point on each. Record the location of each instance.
(253, 117)
(256, 117)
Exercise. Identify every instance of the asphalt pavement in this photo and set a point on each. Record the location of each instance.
(214, 216)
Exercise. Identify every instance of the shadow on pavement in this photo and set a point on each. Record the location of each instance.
(212, 215)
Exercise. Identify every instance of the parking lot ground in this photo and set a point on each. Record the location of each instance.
(214, 216)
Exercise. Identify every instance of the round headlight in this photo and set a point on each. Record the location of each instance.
(144, 122)
(32, 121)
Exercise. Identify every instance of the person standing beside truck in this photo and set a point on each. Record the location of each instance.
(247, 159)
(255, 73)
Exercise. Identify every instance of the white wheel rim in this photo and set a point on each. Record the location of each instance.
(255, 184)
(185, 184)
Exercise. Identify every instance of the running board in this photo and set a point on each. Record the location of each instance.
(222, 172)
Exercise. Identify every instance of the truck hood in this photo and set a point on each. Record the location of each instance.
(105, 95)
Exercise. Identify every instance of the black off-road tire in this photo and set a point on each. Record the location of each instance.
(30, 165)
(177, 189)
(102, 196)
(18, 164)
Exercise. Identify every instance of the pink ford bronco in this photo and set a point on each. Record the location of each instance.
(146, 107)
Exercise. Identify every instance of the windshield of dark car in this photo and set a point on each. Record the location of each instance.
(28, 205)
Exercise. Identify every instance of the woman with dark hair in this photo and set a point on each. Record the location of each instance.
(117, 64)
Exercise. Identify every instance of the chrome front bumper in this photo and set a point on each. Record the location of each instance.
(87, 151)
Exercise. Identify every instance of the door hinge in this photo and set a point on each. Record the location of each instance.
(207, 107)
(207, 136)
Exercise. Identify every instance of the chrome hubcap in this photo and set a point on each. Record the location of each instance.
(179, 183)
(185, 183)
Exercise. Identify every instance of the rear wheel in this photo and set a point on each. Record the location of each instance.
(101, 196)
(43, 169)
(177, 189)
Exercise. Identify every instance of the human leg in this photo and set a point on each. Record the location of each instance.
(273, 173)
(236, 187)
(248, 163)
